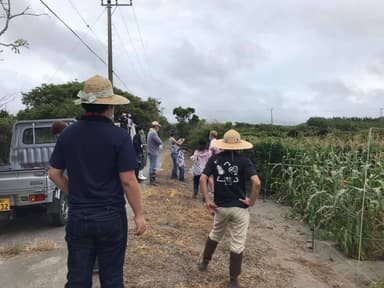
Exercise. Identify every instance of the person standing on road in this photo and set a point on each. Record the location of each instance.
(140, 149)
(174, 147)
(230, 171)
(58, 127)
(212, 139)
(214, 150)
(199, 160)
(100, 162)
(154, 145)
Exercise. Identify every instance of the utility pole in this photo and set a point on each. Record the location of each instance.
(109, 4)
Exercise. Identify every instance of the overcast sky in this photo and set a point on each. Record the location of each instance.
(231, 60)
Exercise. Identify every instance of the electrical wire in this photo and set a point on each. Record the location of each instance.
(82, 41)
(132, 44)
(86, 23)
(77, 36)
(142, 41)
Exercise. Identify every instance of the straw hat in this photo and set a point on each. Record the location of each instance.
(232, 141)
(98, 90)
(155, 123)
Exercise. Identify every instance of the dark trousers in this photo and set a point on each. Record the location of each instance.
(181, 173)
(174, 164)
(196, 183)
(96, 232)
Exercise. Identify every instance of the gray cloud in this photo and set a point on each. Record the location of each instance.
(231, 60)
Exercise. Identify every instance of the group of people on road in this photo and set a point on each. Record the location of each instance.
(97, 164)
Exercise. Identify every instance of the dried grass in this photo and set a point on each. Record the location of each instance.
(32, 247)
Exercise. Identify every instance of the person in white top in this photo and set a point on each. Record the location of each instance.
(214, 150)
(212, 139)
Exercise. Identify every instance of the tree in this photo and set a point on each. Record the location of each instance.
(51, 101)
(186, 119)
(6, 122)
(56, 101)
(6, 17)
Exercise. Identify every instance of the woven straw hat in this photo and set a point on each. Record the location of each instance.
(155, 123)
(98, 90)
(232, 141)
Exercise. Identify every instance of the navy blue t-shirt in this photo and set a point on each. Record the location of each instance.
(94, 151)
(230, 171)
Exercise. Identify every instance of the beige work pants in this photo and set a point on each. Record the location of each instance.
(237, 220)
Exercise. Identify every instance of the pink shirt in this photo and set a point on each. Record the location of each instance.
(202, 157)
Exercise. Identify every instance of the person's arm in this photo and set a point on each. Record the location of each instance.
(179, 142)
(132, 192)
(211, 206)
(256, 185)
(58, 177)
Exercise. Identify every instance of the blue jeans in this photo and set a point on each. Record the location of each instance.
(95, 232)
(174, 161)
(152, 164)
(181, 173)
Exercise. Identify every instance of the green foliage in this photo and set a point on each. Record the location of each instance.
(6, 122)
(51, 101)
(56, 101)
(186, 120)
(319, 170)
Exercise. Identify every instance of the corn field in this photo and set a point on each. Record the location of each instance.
(337, 186)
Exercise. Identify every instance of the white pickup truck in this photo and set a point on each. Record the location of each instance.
(24, 182)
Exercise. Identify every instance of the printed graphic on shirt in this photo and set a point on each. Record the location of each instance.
(227, 174)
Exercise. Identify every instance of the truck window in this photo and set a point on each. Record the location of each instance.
(43, 135)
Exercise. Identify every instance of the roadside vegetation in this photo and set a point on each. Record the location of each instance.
(329, 170)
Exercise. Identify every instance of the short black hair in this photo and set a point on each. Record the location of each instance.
(96, 108)
(202, 145)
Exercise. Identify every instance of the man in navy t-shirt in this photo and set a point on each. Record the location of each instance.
(230, 170)
(100, 162)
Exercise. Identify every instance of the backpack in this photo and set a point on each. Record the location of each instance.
(196, 169)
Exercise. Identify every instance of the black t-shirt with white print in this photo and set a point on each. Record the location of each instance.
(230, 171)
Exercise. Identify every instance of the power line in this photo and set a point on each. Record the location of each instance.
(133, 64)
(142, 41)
(85, 22)
(131, 41)
(82, 41)
(69, 28)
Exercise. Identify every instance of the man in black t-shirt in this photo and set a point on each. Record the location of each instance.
(230, 170)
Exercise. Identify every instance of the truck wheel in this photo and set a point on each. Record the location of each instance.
(59, 216)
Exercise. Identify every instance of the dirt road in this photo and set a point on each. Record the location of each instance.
(33, 254)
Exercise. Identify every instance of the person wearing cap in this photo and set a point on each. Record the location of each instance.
(100, 161)
(154, 145)
(230, 170)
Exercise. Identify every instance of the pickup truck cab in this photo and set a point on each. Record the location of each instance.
(24, 182)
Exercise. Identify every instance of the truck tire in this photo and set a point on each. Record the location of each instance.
(59, 214)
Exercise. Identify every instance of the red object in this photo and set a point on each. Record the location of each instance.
(36, 197)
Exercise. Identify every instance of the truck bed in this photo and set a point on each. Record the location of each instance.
(19, 185)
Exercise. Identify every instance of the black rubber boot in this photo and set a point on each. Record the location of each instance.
(210, 247)
(235, 261)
